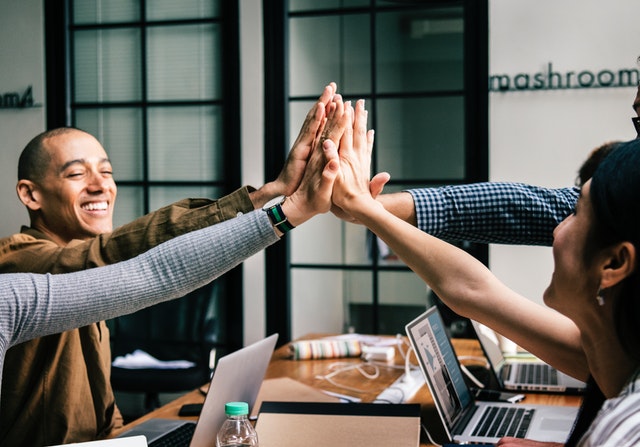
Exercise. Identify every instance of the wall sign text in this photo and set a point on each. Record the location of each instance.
(17, 100)
(550, 79)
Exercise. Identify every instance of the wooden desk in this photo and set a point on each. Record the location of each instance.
(306, 371)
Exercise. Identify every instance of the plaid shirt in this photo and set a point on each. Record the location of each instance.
(493, 212)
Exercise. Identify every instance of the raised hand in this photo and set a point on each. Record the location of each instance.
(291, 174)
(353, 182)
(363, 139)
(313, 195)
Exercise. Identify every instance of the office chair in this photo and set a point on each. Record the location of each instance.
(184, 329)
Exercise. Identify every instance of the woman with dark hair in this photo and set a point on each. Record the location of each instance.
(594, 286)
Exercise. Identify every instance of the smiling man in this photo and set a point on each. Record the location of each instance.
(68, 187)
(56, 389)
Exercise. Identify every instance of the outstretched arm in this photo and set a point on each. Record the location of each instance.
(36, 305)
(491, 212)
(486, 212)
(460, 280)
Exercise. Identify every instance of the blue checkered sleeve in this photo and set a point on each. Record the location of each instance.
(493, 212)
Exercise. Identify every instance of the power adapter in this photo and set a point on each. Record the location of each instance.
(378, 353)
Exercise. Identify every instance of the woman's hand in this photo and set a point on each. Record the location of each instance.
(516, 442)
(313, 194)
(353, 189)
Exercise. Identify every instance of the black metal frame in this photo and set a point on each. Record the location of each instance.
(276, 120)
(278, 287)
(60, 112)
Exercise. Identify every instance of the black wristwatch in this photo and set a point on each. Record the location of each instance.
(274, 210)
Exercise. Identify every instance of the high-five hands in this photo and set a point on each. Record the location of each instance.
(313, 193)
(291, 174)
(308, 179)
(353, 187)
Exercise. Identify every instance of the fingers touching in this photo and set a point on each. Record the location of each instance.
(291, 174)
(355, 150)
(330, 160)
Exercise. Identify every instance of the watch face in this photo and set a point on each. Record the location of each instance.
(274, 202)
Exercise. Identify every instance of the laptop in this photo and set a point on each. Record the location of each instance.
(133, 441)
(237, 378)
(523, 375)
(465, 420)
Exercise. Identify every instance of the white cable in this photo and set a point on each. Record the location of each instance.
(384, 365)
(407, 366)
(474, 358)
(405, 355)
(344, 366)
(468, 373)
(401, 341)
(471, 376)
(429, 436)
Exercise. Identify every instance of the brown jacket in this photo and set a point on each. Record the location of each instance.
(56, 389)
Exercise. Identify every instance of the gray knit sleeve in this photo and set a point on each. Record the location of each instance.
(37, 305)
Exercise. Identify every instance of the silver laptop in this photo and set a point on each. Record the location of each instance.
(464, 419)
(132, 441)
(522, 375)
(237, 378)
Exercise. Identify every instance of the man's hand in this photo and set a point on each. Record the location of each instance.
(291, 175)
(313, 195)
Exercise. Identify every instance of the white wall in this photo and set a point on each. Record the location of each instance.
(252, 97)
(22, 56)
(542, 137)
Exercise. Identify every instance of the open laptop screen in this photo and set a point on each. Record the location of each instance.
(491, 350)
(440, 366)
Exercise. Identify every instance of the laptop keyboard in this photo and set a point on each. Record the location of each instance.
(497, 422)
(180, 437)
(536, 373)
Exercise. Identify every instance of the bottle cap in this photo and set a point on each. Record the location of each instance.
(236, 408)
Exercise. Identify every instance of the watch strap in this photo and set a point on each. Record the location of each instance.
(278, 218)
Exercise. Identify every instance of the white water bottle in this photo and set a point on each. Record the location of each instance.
(237, 431)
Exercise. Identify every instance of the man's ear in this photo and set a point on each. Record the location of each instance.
(28, 194)
(621, 262)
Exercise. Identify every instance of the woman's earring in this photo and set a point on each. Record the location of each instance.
(600, 298)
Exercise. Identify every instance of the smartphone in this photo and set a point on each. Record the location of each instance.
(190, 410)
(497, 396)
